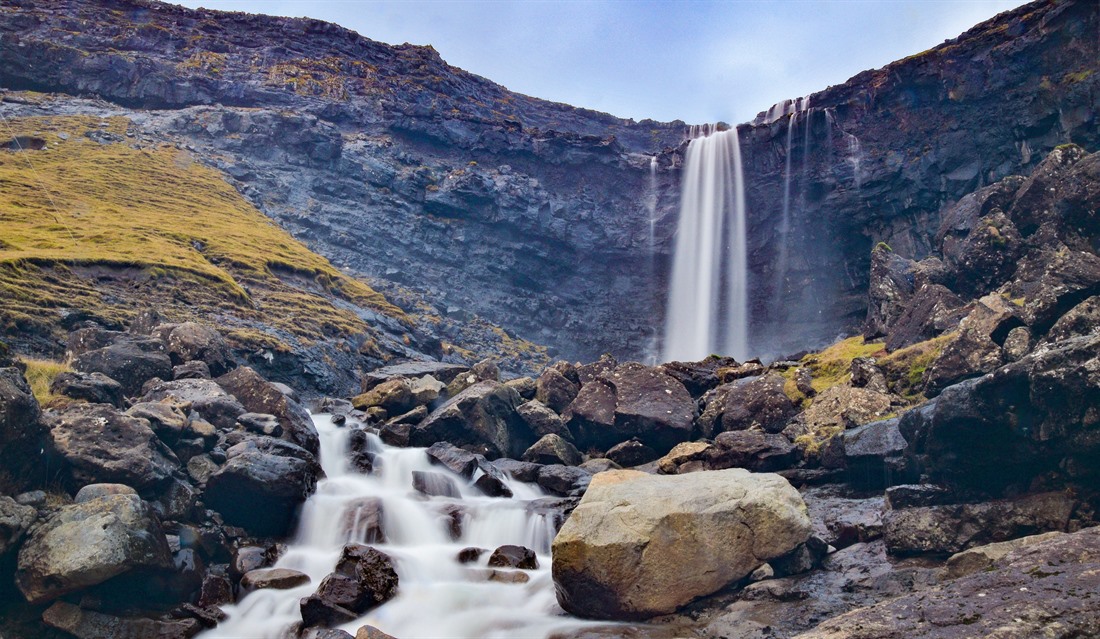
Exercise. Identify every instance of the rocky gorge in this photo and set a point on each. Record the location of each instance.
(313, 445)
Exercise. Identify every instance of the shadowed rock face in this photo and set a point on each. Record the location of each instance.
(532, 214)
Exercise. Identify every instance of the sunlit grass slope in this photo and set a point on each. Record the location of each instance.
(186, 240)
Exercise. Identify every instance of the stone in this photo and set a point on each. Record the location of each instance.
(85, 544)
(1079, 320)
(683, 454)
(165, 418)
(482, 417)
(554, 390)
(434, 484)
(913, 495)
(470, 555)
(598, 465)
(631, 401)
(363, 521)
(842, 407)
(363, 579)
(842, 518)
(631, 453)
(698, 377)
(875, 455)
(753, 450)
(552, 449)
(261, 424)
(734, 372)
(370, 632)
(272, 579)
(986, 557)
(15, 520)
(518, 470)
(442, 371)
(89, 624)
(956, 527)
(95, 388)
(202, 396)
(258, 395)
(131, 362)
(543, 421)
(261, 491)
(933, 311)
(96, 491)
(565, 481)
(22, 434)
(492, 482)
(1017, 344)
(753, 402)
(1039, 590)
(191, 370)
(735, 521)
(514, 557)
(394, 396)
(190, 341)
(976, 348)
(866, 374)
(889, 290)
(460, 462)
(525, 386)
(101, 445)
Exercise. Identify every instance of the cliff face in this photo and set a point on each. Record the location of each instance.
(535, 215)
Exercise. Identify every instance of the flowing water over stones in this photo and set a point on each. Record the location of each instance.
(438, 596)
(708, 292)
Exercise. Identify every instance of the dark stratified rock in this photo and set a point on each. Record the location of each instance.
(555, 390)
(261, 485)
(442, 371)
(955, 527)
(95, 388)
(755, 402)
(258, 395)
(519, 470)
(461, 462)
(15, 520)
(85, 544)
(933, 310)
(194, 342)
(875, 455)
(483, 418)
(542, 420)
(1038, 590)
(552, 449)
(191, 370)
(889, 291)
(101, 445)
(566, 481)
(631, 453)
(363, 578)
(89, 624)
(753, 450)
(22, 434)
(698, 377)
(131, 362)
(514, 557)
(1080, 320)
(631, 401)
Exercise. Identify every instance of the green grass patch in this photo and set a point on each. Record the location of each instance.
(40, 374)
(904, 368)
(833, 365)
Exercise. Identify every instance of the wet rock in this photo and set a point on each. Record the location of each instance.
(191, 370)
(875, 455)
(470, 555)
(492, 481)
(85, 544)
(258, 395)
(914, 495)
(22, 434)
(1079, 320)
(753, 450)
(95, 388)
(542, 420)
(247, 559)
(953, 528)
(519, 470)
(508, 576)
(756, 402)
(165, 418)
(554, 390)
(363, 521)
(843, 519)
(976, 349)
(363, 579)
(734, 372)
(395, 434)
(261, 424)
(514, 557)
(631, 453)
(552, 449)
(395, 396)
(1030, 592)
(803, 558)
(202, 396)
(563, 480)
(101, 445)
(216, 589)
(599, 568)
(986, 557)
(260, 490)
(631, 401)
(131, 362)
(889, 290)
(272, 579)
(89, 624)
(434, 484)
(460, 462)
(15, 520)
(482, 417)
(698, 377)
(362, 450)
(190, 341)
(933, 311)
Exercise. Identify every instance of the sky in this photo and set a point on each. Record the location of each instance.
(693, 60)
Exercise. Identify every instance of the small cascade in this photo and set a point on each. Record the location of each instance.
(854, 148)
(784, 228)
(651, 208)
(438, 597)
(708, 291)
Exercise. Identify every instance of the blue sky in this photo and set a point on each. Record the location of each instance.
(694, 60)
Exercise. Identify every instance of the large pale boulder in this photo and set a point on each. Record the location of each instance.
(641, 545)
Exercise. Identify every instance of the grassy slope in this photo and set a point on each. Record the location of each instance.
(185, 240)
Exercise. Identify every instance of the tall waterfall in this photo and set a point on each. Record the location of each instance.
(801, 106)
(708, 293)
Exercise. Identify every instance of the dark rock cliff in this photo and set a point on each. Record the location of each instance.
(533, 214)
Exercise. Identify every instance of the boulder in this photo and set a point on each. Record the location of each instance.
(191, 370)
(15, 520)
(956, 527)
(483, 418)
(22, 434)
(83, 340)
(875, 455)
(842, 407)
(752, 402)
(370, 632)
(272, 579)
(202, 396)
(363, 579)
(525, 386)
(434, 484)
(976, 348)
(631, 453)
(514, 557)
(101, 445)
(97, 491)
(89, 624)
(85, 544)
(258, 395)
(889, 290)
(1017, 344)
(562, 480)
(1043, 589)
(131, 362)
(641, 545)
(685, 458)
(518, 470)
(631, 401)
(542, 420)
(554, 390)
(552, 449)
(933, 310)
(363, 521)
(441, 371)
(986, 557)
(866, 374)
(988, 255)
(190, 341)
(698, 377)
(95, 388)
(165, 418)
(1079, 320)
(395, 396)
(1051, 281)
(753, 450)
(261, 486)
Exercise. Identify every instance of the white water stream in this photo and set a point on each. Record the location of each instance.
(438, 597)
(708, 293)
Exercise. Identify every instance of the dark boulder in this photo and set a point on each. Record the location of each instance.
(552, 449)
(555, 390)
(131, 362)
(202, 396)
(442, 371)
(258, 395)
(272, 579)
(698, 377)
(363, 579)
(94, 388)
(518, 470)
(460, 462)
(890, 288)
(101, 445)
(22, 434)
(933, 310)
(482, 418)
(90, 624)
(754, 402)
(752, 449)
(191, 370)
(1079, 320)
(542, 420)
(566, 481)
(976, 348)
(190, 341)
(15, 520)
(875, 455)
(514, 557)
(631, 453)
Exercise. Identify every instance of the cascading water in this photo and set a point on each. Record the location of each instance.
(708, 293)
(437, 597)
(651, 208)
(802, 105)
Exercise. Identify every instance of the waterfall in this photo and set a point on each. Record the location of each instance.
(651, 209)
(438, 597)
(708, 293)
(802, 105)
